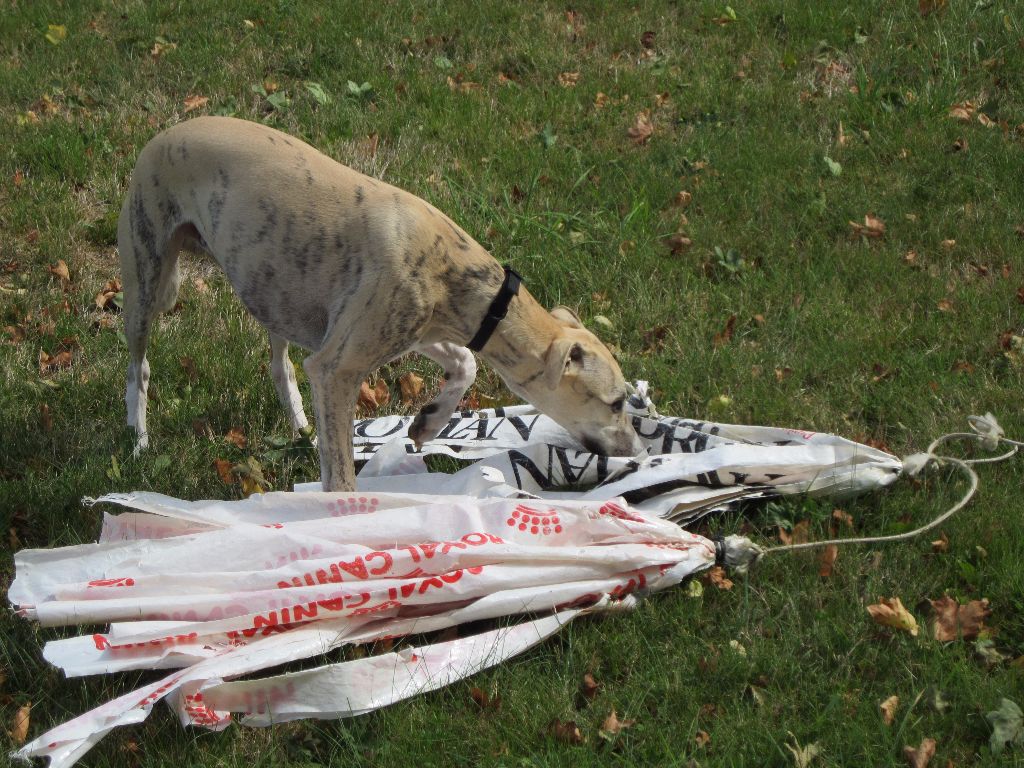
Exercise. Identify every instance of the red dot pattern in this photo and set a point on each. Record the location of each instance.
(534, 521)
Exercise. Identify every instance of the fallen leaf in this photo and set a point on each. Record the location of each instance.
(889, 612)
(45, 418)
(683, 198)
(960, 145)
(50, 363)
(703, 738)
(237, 437)
(803, 756)
(949, 244)
(962, 366)
(196, 102)
(872, 227)
(840, 516)
(919, 757)
(678, 243)
(589, 687)
(926, 7)
(568, 79)
(462, 86)
(110, 295)
(642, 128)
(19, 726)
(483, 700)
(188, 365)
(567, 732)
(941, 544)
(910, 257)
(964, 111)
(411, 385)
(827, 560)
(725, 335)
(989, 655)
(953, 621)
(223, 467)
(368, 398)
(799, 535)
(56, 33)
(1007, 726)
(986, 121)
(647, 39)
(888, 709)
(60, 269)
(600, 100)
(716, 576)
(612, 725)
(781, 374)
(250, 475)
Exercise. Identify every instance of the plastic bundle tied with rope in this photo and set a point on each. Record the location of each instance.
(531, 535)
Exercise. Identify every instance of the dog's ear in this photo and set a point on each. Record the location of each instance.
(566, 317)
(562, 356)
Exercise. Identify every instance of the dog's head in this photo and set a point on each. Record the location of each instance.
(582, 389)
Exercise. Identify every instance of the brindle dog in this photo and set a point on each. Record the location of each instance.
(356, 271)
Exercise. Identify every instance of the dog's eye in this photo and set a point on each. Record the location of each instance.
(617, 405)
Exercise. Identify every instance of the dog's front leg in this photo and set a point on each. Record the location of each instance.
(334, 407)
(459, 372)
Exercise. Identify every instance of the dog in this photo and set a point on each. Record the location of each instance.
(356, 271)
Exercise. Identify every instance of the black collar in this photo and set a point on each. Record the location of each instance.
(498, 309)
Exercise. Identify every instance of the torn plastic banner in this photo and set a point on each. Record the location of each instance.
(216, 590)
(188, 586)
(693, 467)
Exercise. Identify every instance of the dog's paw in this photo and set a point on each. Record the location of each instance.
(427, 424)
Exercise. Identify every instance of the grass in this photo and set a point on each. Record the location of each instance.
(833, 332)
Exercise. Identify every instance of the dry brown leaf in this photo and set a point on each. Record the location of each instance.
(889, 612)
(941, 544)
(372, 399)
(647, 39)
(20, 723)
(962, 366)
(799, 535)
(642, 128)
(411, 386)
(600, 100)
(949, 244)
(953, 621)
(841, 516)
(612, 725)
(223, 467)
(105, 298)
(567, 732)
(236, 436)
(781, 374)
(703, 738)
(683, 198)
(888, 709)
(589, 687)
(964, 111)
(60, 270)
(50, 363)
(725, 336)
(986, 121)
(483, 700)
(198, 102)
(568, 79)
(919, 757)
(45, 418)
(678, 243)
(827, 560)
(872, 227)
(462, 86)
(717, 577)
(188, 365)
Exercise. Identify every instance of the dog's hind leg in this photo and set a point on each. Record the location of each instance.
(149, 274)
(459, 372)
(283, 371)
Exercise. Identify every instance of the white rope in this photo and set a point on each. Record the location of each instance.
(987, 432)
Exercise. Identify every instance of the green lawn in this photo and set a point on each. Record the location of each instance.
(562, 140)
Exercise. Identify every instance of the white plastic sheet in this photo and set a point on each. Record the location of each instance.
(219, 590)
